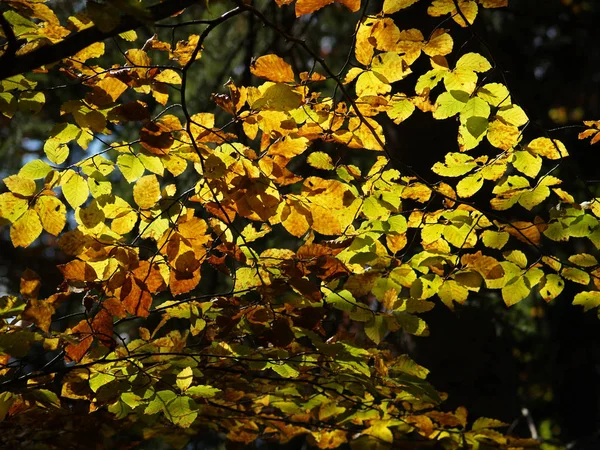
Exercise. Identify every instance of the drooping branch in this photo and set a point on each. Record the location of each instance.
(12, 64)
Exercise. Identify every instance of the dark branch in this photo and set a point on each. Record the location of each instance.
(12, 45)
(12, 64)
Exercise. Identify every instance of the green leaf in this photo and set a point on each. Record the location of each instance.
(131, 167)
(185, 378)
(31, 101)
(74, 188)
(589, 300)
(342, 300)
(494, 239)
(552, 286)
(515, 291)
(56, 151)
(181, 411)
(159, 402)
(320, 160)
(99, 379)
(376, 328)
(450, 103)
(203, 391)
(35, 170)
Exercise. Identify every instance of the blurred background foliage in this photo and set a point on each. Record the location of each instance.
(536, 365)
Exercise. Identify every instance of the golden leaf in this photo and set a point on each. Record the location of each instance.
(273, 68)
(26, 229)
(52, 212)
(146, 191)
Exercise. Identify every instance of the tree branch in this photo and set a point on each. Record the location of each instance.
(12, 64)
(12, 45)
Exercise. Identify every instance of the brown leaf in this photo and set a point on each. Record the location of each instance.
(150, 275)
(181, 283)
(101, 328)
(526, 232)
(30, 284)
(135, 297)
(77, 270)
(156, 138)
(115, 307)
(83, 331)
(40, 313)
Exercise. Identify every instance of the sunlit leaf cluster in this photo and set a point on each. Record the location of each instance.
(323, 261)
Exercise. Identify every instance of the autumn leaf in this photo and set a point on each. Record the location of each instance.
(273, 68)
(146, 191)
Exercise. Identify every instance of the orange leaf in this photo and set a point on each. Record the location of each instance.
(135, 297)
(78, 271)
(273, 68)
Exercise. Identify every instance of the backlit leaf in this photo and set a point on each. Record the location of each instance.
(26, 229)
(146, 191)
(273, 68)
(74, 188)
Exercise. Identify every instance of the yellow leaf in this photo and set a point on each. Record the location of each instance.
(168, 76)
(495, 94)
(439, 44)
(146, 192)
(379, 429)
(527, 163)
(515, 291)
(52, 212)
(124, 222)
(452, 291)
(391, 66)
(517, 257)
(548, 148)
(588, 300)
(513, 114)
(74, 188)
(468, 9)
(184, 49)
(474, 62)
(450, 103)
(503, 136)
(11, 206)
(273, 68)
(26, 229)
(400, 109)
(460, 80)
(130, 166)
(575, 275)
(392, 6)
(469, 185)
(106, 91)
(296, 218)
(584, 260)
(320, 160)
(455, 165)
(20, 186)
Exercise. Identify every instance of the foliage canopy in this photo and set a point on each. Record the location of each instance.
(321, 255)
